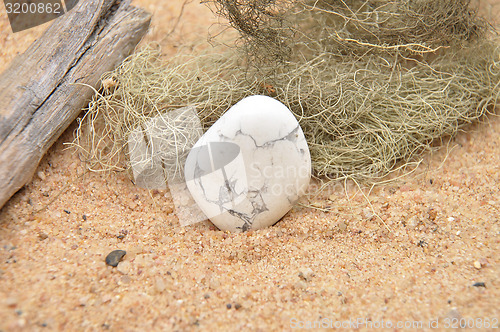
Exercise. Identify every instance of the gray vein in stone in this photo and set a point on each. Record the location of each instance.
(292, 137)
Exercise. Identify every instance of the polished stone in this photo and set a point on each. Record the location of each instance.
(250, 167)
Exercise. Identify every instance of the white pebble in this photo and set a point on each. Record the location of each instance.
(250, 167)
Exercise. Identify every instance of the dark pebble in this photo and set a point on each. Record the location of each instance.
(237, 306)
(122, 234)
(228, 305)
(67, 211)
(422, 243)
(84, 217)
(479, 284)
(115, 257)
(206, 296)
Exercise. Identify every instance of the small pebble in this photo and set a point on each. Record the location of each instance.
(454, 314)
(42, 236)
(10, 301)
(160, 285)
(115, 257)
(124, 268)
(237, 306)
(422, 243)
(122, 234)
(367, 214)
(477, 265)
(228, 306)
(41, 175)
(84, 217)
(432, 214)
(67, 211)
(125, 279)
(306, 273)
(413, 222)
(479, 284)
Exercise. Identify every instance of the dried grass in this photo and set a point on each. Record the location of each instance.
(372, 83)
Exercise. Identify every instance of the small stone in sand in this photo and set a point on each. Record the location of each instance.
(115, 257)
(306, 273)
(479, 284)
(228, 306)
(160, 285)
(124, 268)
(454, 314)
(477, 265)
(41, 175)
(10, 301)
(237, 306)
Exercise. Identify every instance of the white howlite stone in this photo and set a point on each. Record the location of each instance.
(250, 167)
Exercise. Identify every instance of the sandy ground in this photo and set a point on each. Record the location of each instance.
(425, 253)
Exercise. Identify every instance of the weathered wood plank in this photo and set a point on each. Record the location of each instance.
(39, 92)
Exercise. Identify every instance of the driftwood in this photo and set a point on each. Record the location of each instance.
(43, 90)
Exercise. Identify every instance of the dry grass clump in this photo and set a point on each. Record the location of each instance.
(372, 83)
(284, 29)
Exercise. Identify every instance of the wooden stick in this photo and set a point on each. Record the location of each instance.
(39, 92)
